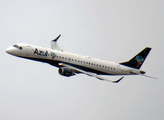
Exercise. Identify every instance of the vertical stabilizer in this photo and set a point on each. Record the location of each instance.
(138, 60)
(54, 44)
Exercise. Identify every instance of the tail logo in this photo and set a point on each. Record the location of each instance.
(139, 60)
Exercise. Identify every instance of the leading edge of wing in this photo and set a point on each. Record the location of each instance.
(89, 74)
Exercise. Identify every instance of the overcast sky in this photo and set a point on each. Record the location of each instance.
(113, 30)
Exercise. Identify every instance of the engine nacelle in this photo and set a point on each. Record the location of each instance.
(66, 71)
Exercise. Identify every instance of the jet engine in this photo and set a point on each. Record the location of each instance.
(66, 72)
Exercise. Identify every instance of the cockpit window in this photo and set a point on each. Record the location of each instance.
(16, 46)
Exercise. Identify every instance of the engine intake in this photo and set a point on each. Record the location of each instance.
(66, 72)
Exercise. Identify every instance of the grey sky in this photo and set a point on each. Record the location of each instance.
(113, 30)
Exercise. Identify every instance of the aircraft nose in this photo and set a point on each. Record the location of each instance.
(9, 50)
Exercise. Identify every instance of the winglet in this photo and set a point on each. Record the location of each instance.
(56, 38)
(54, 44)
(118, 80)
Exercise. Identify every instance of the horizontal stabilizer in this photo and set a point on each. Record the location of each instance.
(148, 76)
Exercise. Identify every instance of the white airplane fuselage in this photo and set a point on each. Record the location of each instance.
(55, 57)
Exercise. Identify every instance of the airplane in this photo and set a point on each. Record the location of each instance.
(71, 64)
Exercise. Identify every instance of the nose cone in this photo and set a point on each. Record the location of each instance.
(9, 50)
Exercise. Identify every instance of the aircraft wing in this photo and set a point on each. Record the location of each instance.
(89, 73)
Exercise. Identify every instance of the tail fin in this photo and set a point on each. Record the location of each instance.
(138, 60)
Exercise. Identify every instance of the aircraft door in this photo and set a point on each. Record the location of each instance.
(29, 50)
